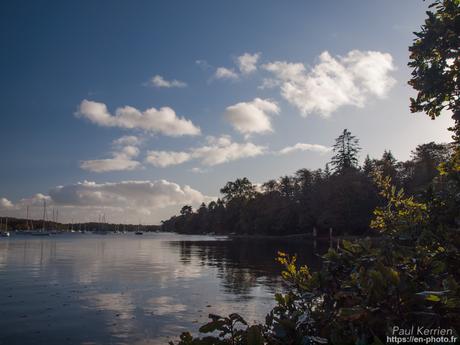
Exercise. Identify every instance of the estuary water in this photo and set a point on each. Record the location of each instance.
(128, 289)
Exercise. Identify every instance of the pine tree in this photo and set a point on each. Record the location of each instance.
(346, 150)
(368, 166)
(387, 166)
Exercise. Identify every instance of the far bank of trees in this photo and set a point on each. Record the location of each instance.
(341, 196)
(22, 224)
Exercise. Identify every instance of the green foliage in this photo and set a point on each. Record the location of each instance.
(435, 61)
(401, 214)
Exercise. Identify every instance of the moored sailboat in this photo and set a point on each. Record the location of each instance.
(4, 233)
(138, 231)
(43, 231)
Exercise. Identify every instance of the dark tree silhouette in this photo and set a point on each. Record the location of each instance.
(240, 189)
(346, 150)
(186, 210)
(343, 200)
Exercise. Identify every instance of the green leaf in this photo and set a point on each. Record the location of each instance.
(432, 298)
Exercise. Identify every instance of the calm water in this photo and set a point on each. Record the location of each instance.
(127, 289)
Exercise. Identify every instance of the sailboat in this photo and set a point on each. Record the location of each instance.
(54, 230)
(29, 224)
(101, 230)
(43, 231)
(139, 232)
(5, 233)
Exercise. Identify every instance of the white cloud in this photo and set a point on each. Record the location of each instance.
(5, 204)
(119, 162)
(305, 147)
(334, 82)
(159, 81)
(127, 140)
(222, 150)
(124, 201)
(252, 117)
(268, 83)
(223, 140)
(122, 158)
(225, 73)
(145, 195)
(34, 200)
(247, 63)
(163, 120)
(217, 151)
(166, 158)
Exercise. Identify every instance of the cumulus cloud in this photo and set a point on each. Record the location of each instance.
(247, 63)
(225, 73)
(305, 147)
(222, 150)
(145, 195)
(217, 151)
(5, 204)
(122, 159)
(252, 117)
(268, 83)
(160, 82)
(127, 140)
(334, 81)
(166, 158)
(34, 200)
(163, 120)
(124, 201)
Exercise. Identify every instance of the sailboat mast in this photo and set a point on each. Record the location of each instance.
(27, 217)
(44, 214)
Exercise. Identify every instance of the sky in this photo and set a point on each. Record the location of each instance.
(132, 109)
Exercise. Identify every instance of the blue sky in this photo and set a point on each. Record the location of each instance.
(57, 54)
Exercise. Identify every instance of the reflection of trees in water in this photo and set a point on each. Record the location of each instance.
(185, 252)
(243, 264)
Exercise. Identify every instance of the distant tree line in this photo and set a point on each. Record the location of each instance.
(341, 196)
(22, 224)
